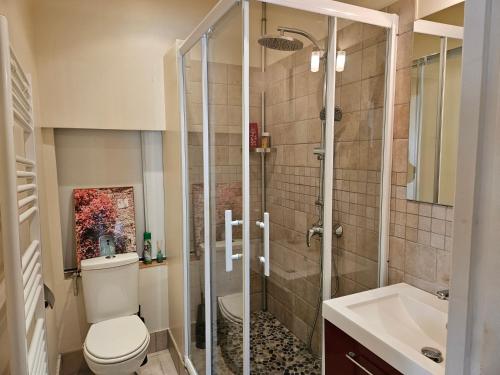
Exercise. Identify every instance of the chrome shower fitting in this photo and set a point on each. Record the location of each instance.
(315, 230)
(443, 294)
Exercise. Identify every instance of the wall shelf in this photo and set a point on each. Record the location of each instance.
(261, 150)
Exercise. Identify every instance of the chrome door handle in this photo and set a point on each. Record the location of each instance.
(229, 224)
(265, 259)
(350, 356)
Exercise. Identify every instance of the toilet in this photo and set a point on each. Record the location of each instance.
(230, 330)
(117, 341)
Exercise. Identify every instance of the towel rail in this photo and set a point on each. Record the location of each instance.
(19, 205)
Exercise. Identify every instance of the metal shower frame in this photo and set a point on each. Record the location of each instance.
(334, 10)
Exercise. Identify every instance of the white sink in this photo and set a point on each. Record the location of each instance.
(395, 323)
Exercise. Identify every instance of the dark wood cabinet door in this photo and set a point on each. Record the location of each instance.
(346, 356)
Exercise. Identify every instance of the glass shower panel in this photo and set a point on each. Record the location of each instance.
(225, 140)
(194, 119)
(286, 329)
(360, 92)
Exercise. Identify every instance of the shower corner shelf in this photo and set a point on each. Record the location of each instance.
(261, 150)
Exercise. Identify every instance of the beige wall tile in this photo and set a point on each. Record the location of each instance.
(352, 71)
(372, 92)
(420, 261)
(402, 86)
(217, 73)
(443, 267)
(351, 37)
(373, 62)
(396, 252)
(348, 128)
(401, 121)
(405, 50)
(400, 155)
(350, 98)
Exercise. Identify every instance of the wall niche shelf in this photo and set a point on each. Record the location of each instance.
(261, 150)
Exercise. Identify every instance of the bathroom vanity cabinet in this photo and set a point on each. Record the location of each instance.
(346, 356)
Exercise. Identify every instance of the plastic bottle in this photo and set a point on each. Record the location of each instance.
(159, 254)
(147, 248)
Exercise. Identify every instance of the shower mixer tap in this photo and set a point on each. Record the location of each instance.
(315, 230)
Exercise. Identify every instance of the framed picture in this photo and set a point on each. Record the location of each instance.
(104, 221)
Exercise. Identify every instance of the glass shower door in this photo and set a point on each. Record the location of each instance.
(225, 129)
(215, 131)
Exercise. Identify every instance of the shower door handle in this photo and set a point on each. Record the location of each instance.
(230, 223)
(265, 259)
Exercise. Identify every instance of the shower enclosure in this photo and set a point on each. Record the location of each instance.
(272, 230)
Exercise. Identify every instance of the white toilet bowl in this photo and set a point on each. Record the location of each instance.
(116, 346)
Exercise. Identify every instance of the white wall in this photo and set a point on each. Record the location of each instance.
(100, 62)
(153, 297)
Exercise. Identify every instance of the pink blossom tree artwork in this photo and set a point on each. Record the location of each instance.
(103, 212)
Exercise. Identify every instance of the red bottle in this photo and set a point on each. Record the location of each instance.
(254, 135)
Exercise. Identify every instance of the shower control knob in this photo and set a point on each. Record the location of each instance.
(339, 230)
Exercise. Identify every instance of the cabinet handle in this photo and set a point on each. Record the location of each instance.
(350, 356)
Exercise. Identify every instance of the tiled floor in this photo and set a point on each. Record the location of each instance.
(159, 363)
(198, 359)
(274, 350)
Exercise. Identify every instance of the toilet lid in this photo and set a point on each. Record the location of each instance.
(116, 338)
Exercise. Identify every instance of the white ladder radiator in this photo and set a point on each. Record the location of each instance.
(20, 222)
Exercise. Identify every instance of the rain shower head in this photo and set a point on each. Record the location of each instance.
(281, 42)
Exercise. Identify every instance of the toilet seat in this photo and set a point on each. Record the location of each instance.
(231, 307)
(116, 340)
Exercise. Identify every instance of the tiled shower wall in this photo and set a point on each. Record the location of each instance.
(358, 157)
(293, 104)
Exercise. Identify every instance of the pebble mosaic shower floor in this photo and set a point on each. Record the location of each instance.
(274, 349)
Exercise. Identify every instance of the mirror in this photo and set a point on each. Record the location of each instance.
(434, 107)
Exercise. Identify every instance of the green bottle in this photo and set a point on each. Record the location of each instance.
(159, 254)
(147, 248)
